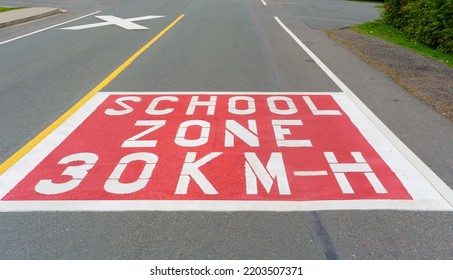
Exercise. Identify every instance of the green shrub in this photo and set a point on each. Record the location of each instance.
(429, 22)
(393, 12)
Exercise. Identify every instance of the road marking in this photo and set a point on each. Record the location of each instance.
(47, 28)
(321, 64)
(311, 173)
(264, 3)
(289, 93)
(316, 111)
(31, 144)
(215, 152)
(113, 20)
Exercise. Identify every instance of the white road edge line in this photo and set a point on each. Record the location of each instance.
(47, 28)
(264, 3)
(442, 188)
(329, 73)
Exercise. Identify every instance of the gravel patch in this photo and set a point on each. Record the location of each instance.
(426, 78)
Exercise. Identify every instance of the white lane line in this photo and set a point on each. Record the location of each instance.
(440, 186)
(47, 28)
(321, 64)
(264, 3)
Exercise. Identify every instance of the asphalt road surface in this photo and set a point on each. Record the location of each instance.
(226, 48)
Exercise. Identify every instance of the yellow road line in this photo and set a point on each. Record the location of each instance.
(38, 138)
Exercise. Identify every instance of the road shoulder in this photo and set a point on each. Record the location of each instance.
(424, 77)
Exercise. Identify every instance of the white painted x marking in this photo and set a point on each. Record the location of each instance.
(113, 20)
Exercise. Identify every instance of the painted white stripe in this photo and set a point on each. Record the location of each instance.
(344, 183)
(86, 26)
(358, 157)
(244, 93)
(126, 24)
(264, 3)
(224, 205)
(144, 18)
(377, 185)
(316, 111)
(326, 70)
(350, 167)
(330, 157)
(47, 28)
(310, 173)
(113, 20)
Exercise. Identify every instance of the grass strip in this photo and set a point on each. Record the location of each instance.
(5, 9)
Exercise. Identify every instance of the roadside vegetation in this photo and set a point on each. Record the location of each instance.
(5, 9)
(425, 26)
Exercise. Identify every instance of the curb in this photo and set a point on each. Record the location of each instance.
(20, 16)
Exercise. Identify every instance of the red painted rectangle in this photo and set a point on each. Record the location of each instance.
(205, 147)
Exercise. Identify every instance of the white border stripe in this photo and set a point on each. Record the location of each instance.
(224, 205)
(47, 28)
(325, 93)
